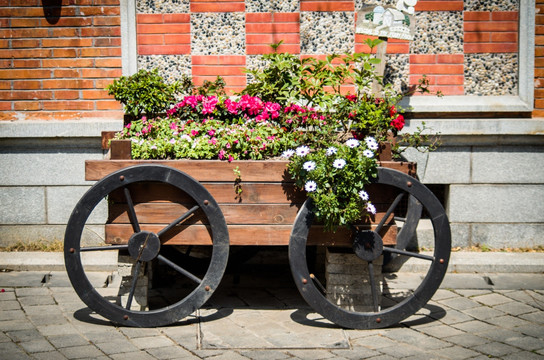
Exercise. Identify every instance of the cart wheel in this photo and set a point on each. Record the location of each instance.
(405, 294)
(144, 247)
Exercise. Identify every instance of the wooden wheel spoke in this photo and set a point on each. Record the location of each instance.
(133, 285)
(180, 269)
(375, 302)
(408, 253)
(389, 212)
(101, 248)
(178, 220)
(131, 211)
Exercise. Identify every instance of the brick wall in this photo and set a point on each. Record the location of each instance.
(539, 60)
(56, 61)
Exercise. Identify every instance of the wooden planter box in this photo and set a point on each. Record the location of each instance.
(262, 215)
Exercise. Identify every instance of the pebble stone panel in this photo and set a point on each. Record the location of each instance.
(218, 33)
(171, 67)
(438, 32)
(327, 32)
(162, 6)
(263, 6)
(491, 5)
(359, 4)
(491, 74)
(397, 70)
(254, 62)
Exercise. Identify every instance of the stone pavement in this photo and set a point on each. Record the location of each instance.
(477, 316)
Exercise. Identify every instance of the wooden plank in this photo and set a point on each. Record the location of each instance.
(243, 235)
(255, 214)
(220, 171)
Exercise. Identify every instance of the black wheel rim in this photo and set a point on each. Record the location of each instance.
(122, 179)
(312, 290)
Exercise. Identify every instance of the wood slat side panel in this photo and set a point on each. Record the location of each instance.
(244, 235)
(255, 214)
(223, 193)
(215, 170)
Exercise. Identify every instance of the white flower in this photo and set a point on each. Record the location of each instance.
(363, 195)
(288, 153)
(134, 140)
(370, 208)
(172, 141)
(371, 143)
(309, 165)
(303, 150)
(352, 143)
(339, 163)
(186, 137)
(154, 147)
(310, 186)
(368, 153)
(331, 151)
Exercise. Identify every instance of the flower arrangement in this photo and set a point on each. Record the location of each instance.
(295, 109)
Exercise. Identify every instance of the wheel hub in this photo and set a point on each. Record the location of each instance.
(367, 245)
(144, 246)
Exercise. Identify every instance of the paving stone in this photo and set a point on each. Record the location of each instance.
(442, 294)
(48, 319)
(453, 317)
(536, 317)
(4, 338)
(508, 321)
(116, 347)
(37, 300)
(31, 291)
(67, 340)
(475, 327)
(458, 352)
(104, 336)
(23, 335)
(534, 330)
(441, 331)
(173, 352)
(12, 352)
(496, 349)
(78, 352)
(51, 330)
(374, 342)
(402, 351)
(525, 342)
(472, 292)
(140, 355)
(311, 354)
(9, 305)
(36, 345)
(151, 342)
(523, 355)
(460, 303)
(483, 312)
(515, 308)
(491, 299)
(49, 355)
(355, 354)
(416, 338)
(10, 325)
(132, 333)
(467, 340)
(12, 315)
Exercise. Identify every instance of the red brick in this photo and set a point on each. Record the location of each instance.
(27, 105)
(217, 70)
(54, 63)
(29, 23)
(66, 95)
(477, 37)
(286, 17)
(477, 16)
(490, 26)
(106, 21)
(272, 38)
(29, 33)
(333, 5)
(490, 48)
(149, 18)
(266, 49)
(422, 59)
(504, 37)
(94, 94)
(64, 53)
(218, 60)
(64, 32)
(537, 113)
(95, 52)
(65, 73)
(25, 74)
(30, 63)
(25, 53)
(27, 84)
(102, 83)
(78, 42)
(100, 73)
(27, 43)
(15, 12)
(26, 95)
(227, 6)
(68, 105)
(273, 28)
(504, 16)
(230, 80)
(398, 48)
(439, 5)
(164, 49)
(164, 29)
(150, 39)
(69, 22)
(539, 30)
(101, 31)
(258, 17)
(177, 18)
(99, 10)
(108, 105)
(450, 59)
(116, 41)
(25, 2)
(68, 84)
(436, 69)
(177, 39)
(108, 63)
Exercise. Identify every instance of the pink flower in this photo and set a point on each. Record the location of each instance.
(128, 125)
(230, 158)
(194, 132)
(173, 126)
(212, 141)
(211, 132)
(228, 145)
(221, 154)
(352, 98)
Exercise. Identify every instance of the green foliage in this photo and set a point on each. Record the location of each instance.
(145, 93)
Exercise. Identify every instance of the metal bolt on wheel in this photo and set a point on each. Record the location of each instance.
(144, 247)
(368, 247)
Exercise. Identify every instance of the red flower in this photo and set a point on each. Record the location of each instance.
(398, 123)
